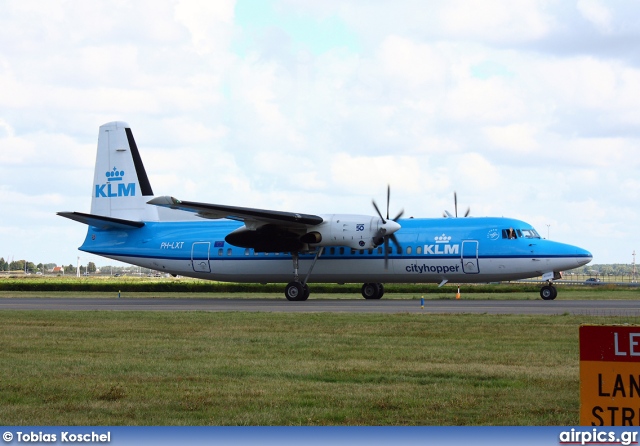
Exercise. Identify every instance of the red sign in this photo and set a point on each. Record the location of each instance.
(609, 375)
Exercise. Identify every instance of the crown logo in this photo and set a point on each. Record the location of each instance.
(114, 175)
(442, 239)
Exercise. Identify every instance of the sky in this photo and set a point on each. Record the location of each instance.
(527, 109)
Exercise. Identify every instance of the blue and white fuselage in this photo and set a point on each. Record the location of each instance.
(229, 243)
(463, 250)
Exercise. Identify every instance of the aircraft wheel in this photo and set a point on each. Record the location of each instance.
(372, 290)
(369, 290)
(305, 292)
(294, 291)
(548, 292)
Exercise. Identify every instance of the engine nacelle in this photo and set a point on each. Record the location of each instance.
(354, 231)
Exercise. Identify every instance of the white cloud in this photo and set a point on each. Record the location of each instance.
(412, 63)
(360, 174)
(580, 81)
(209, 23)
(596, 13)
(479, 97)
(496, 20)
(515, 138)
(484, 101)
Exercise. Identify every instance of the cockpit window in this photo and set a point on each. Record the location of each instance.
(512, 234)
(530, 233)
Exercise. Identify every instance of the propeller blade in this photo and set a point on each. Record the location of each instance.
(455, 202)
(382, 239)
(395, 241)
(386, 253)
(466, 214)
(388, 199)
(378, 211)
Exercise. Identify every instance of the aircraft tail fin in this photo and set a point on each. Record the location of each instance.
(121, 187)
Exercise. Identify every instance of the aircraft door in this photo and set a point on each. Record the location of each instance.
(470, 257)
(200, 257)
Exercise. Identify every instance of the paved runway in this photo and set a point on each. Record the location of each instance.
(575, 307)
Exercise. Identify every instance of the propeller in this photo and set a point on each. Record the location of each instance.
(455, 204)
(382, 237)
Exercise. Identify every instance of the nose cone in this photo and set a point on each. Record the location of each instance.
(391, 226)
(583, 256)
(569, 256)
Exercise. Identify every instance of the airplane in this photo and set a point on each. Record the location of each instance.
(128, 223)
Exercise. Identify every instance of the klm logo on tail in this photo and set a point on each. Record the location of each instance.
(115, 186)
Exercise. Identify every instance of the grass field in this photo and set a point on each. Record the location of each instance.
(148, 368)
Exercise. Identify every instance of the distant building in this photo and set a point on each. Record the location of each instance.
(58, 270)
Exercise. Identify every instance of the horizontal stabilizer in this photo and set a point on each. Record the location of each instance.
(207, 210)
(100, 221)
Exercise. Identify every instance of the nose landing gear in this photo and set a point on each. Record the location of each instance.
(548, 292)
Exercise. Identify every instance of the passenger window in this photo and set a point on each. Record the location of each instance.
(341, 251)
(419, 250)
(220, 252)
(332, 251)
(409, 250)
(246, 252)
(229, 251)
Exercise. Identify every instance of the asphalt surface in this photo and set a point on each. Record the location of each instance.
(531, 307)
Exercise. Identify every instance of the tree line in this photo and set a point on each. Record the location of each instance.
(44, 268)
(616, 269)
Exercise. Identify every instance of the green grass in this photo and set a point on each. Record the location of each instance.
(199, 368)
(583, 293)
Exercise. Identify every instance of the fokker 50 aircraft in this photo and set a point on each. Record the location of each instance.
(236, 244)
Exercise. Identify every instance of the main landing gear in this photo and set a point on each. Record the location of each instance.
(372, 290)
(548, 292)
(297, 290)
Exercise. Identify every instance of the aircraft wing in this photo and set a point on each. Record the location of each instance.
(250, 216)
